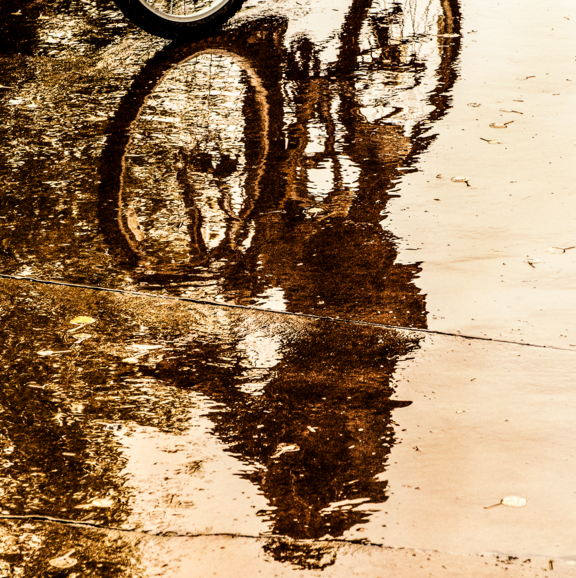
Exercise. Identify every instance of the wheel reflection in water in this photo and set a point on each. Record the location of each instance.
(193, 163)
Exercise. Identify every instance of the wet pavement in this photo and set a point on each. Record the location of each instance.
(276, 301)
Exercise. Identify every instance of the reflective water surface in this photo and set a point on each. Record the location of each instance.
(252, 168)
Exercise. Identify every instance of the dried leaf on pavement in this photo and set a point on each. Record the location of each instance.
(82, 320)
(102, 503)
(65, 561)
(284, 449)
(532, 262)
(511, 501)
(142, 347)
(558, 249)
(47, 352)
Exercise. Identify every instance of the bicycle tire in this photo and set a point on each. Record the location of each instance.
(175, 26)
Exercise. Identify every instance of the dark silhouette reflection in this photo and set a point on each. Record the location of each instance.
(322, 388)
(288, 215)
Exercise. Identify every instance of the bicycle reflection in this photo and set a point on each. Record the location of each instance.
(242, 170)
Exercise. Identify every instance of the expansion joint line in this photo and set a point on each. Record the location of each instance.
(170, 534)
(285, 313)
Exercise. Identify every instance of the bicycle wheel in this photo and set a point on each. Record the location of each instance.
(190, 19)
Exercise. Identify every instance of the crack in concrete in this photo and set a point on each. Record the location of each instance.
(286, 313)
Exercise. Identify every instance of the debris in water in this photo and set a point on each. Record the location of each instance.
(490, 141)
(133, 224)
(532, 262)
(511, 501)
(440, 176)
(47, 352)
(132, 360)
(448, 35)
(500, 124)
(474, 104)
(312, 429)
(80, 337)
(510, 110)
(525, 77)
(313, 211)
(284, 449)
(142, 347)
(460, 180)
(102, 503)
(82, 320)
(113, 427)
(65, 561)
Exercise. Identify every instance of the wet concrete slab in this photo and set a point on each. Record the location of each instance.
(50, 549)
(282, 192)
(164, 416)
(190, 418)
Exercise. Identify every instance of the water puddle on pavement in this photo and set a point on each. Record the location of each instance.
(254, 168)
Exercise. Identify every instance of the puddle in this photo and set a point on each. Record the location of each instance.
(268, 166)
(219, 170)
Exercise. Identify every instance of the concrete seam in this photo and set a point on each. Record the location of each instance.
(285, 313)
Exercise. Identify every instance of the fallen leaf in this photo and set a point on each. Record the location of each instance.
(64, 561)
(82, 336)
(532, 262)
(142, 347)
(514, 501)
(284, 449)
(113, 427)
(82, 320)
(102, 503)
(47, 352)
(558, 249)
(511, 501)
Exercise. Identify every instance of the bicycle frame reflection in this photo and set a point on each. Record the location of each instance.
(245, 170)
